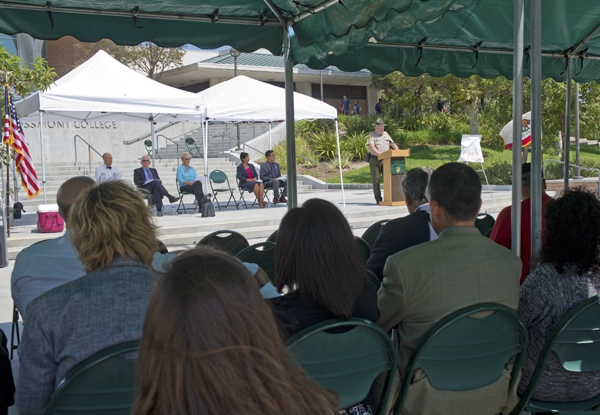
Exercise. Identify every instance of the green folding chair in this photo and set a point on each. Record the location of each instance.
(484, 222)
(373, 277)
(364, 248)
(220, 178)
(14, 329)
(462, 353)
(148, 145)
(371, 234)
(192, 148)
(272, 237)
(262, 254)
(181, 195)
(348, 362)
(231, 242)
(576, 341)
(103, 384)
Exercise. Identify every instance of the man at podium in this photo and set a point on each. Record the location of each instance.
(378, 142)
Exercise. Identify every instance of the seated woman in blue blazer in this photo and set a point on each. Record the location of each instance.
(246, 174)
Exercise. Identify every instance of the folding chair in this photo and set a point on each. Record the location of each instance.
(462, 353)
(576, 342)
(371, 234)
(219, 177)
(102, 384)
(373, 277)
(485, 223)
(181, 195)
(364, 248)
(272, 237)
(148, 145)
(14, 330)
(192, 148)
(231, 242)
(348, 362)
(241, 190)
(262, 254)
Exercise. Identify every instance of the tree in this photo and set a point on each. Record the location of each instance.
(146, 57)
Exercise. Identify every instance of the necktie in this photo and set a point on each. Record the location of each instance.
(149, 174)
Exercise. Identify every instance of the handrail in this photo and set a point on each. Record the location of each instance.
(164, 127)
(167, 147)
(222, 135)
(89, 153)
(298, 155)
(572, 165)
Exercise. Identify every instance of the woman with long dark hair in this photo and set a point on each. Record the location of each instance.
(317, 259)
(210, 346)
(567, 272)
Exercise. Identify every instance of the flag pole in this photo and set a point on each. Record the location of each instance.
(7, 191)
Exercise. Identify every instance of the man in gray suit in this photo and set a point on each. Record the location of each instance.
(269, 171)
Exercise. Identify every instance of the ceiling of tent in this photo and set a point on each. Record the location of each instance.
(450, 45)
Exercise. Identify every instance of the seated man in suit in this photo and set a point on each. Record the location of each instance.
(147, 178)
(269, 171)
(414, 229)
(425, 283)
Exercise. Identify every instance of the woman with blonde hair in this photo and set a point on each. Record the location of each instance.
(186, 178)
(210, 346)
(111, 229)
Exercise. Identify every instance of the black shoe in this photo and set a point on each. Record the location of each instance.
(173, 199)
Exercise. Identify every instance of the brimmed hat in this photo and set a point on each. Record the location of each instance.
(379, 122)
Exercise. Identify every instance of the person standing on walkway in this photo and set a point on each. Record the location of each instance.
(346, 103)
(378, 142)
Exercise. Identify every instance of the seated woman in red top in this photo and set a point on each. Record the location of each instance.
(246, 174)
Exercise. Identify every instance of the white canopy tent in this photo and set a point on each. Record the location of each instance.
(102, 89)
(246, 99)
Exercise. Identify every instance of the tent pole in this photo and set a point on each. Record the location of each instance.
(289, 122)
(536, 127)
(337, 134)
(519, 28)
(4, 255)
(577, 171)
(152, 133)
(270, 142)
(567, 156)
(43, 157)
(206, 153)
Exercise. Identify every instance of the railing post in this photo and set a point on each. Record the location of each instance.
(75, 144)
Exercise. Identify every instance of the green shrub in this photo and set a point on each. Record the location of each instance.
(437, 121)
(324, 143)
(499, 173)
(411, 138)
(355, 145)
(552, 170)
(413, 123)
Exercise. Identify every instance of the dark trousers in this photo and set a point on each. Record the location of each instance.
(7, 386)
(196, 189)
(376, 167)
(158, 190)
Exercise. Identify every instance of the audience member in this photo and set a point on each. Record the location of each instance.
(269, 171)
(317, 259)
(411, 230)
(502, 227)
(107, 172)
(53, 262)
(147, 178)
(246, 174)
(423, 284)
(186, 178)
(113, 233)
(7, 385)
(567, 273)
(210, 346)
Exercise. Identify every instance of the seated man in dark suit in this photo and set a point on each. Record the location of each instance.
(269, 171)
(411, 230)
(148, 179)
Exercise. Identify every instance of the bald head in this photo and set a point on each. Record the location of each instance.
(68, 192)
(107, 158)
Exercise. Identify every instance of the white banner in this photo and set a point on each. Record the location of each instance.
(470, 149)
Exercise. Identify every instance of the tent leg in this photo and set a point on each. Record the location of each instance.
(152, 132)
(337, 133)
(519, 28)
(536, 126)
(43, 156)
(289, 123)
(270, 142)
(566, 154)
(206, 155)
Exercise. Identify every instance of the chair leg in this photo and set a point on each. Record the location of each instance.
(181, 204)
(243, 199)
(216, 201)
(15, 328)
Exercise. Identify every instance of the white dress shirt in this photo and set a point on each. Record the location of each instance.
(105, 173)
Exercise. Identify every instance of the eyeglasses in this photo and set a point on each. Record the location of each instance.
(186, 159)
(145, 161)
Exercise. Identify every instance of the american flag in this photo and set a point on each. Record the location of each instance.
(14, 137)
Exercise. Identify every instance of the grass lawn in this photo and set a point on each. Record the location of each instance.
(435, 156)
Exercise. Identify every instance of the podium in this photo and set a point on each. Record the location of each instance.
(394, 167)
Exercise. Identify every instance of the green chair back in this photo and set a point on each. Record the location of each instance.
(218, 177)
(576, 341)
(371, 234)
(262, 254)
(148, 144)
(462, 353)
(103, 384)
(231, 242)
(346, 363)
(364, 248)
(484, 222)
(272, 237)
(373, 277)
(190, 141)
